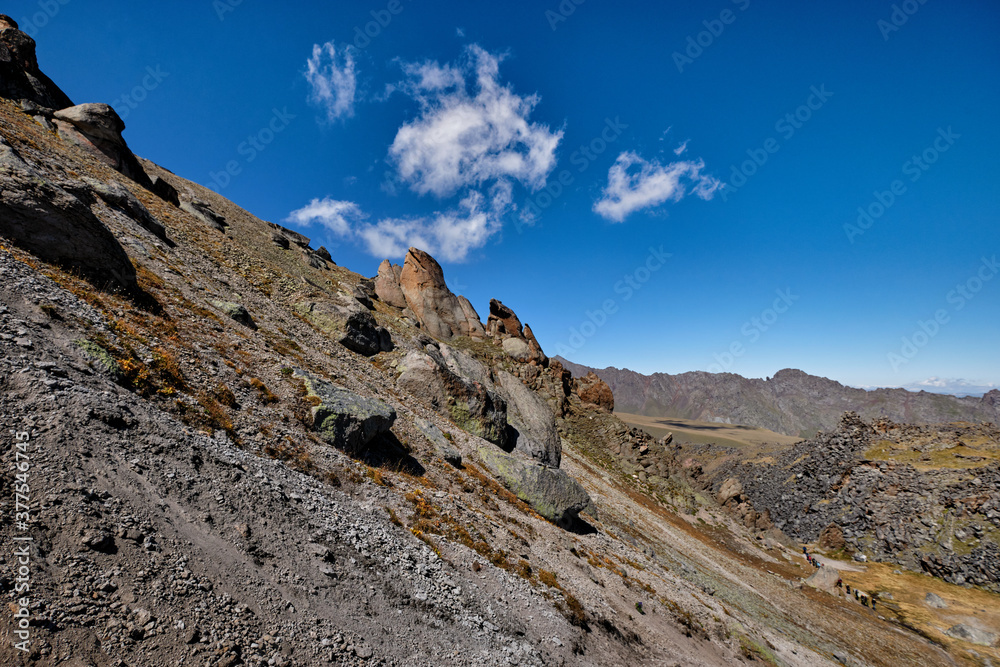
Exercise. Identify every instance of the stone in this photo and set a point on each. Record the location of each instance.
(595, 391)
(343, 418)
(534, 427)
(549, 491)
(438, 311)
(387, 285)
(165, 191)
(203, 211)
(20, 78)
(291, 236)
(98, 540)
(971, 634)
(97, 129)
(364, 293)
(473, 406)
(730, 489)
(324, 254)
(236, 312)
(517, 349)
(118, 197)
(824, 579)
(441, 444)
(934, 601)
(48, 221)
(363, 335)
(502, 321)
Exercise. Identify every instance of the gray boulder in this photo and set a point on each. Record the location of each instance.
(20, 78)
(120, 198)
(474, 407)
(204, 212)
(45, 219)
(440, 442)
(97, 129)
(934, 601)
(345, 419)
(236, 312)
(971, 634)
(549, 491)
(529, 415)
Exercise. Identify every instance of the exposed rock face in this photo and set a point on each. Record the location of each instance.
(119, 197)
(549, 491)
(345, 419)
(824, 579)
(792, 402)
(934, 601)
(729, 490)
(20, 78)
(387, 284)
(97, 128)
(440, 442)
(529, 416)
(972, 635)
(204, 212)
(439, 311)
(595, 391)
(912, 495)
(517, 340)
(45, 219)
(469, 403)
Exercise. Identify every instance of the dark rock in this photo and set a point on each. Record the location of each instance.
(363, 335)
(345, 419)
(48, 221)
(535, 432)
(236, 312)
(20, 78)
(165, 191)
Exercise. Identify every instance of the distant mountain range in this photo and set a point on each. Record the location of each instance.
(791, 402)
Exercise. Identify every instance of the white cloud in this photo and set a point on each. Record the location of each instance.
(472, 129)
(332, 78)
(449, 235)
(680, 150)
(339, 217)
(652, 184)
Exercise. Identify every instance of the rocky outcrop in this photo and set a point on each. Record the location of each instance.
(517, 340)
(97, 129)
(20, 78)
(345, 419)
(454, 393)
(347, 322)
(549, 491)
(919, 496)
(534, 427)
(204, 212)
(387, 284)
(594, 391)
(441, 444)
(45, 219)
(419, 287)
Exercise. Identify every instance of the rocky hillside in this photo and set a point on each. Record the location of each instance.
(923, 497)
(791, 402)
(222, 448)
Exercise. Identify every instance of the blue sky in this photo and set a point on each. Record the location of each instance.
(553, 154)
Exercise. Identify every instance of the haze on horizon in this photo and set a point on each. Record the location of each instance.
(738, 187)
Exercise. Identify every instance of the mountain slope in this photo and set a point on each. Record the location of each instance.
(791, 402)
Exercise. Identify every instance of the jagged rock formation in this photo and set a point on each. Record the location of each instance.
(97, 128)
(595, 391)
(791, 402)
(419, 287)
(20, 78)
(344, 418)
(925, 497)
(518, 341)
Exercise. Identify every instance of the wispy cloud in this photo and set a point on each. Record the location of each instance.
(635, 184)
(680, 150)
(340, 217)
(332, 78)
(472, 129)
